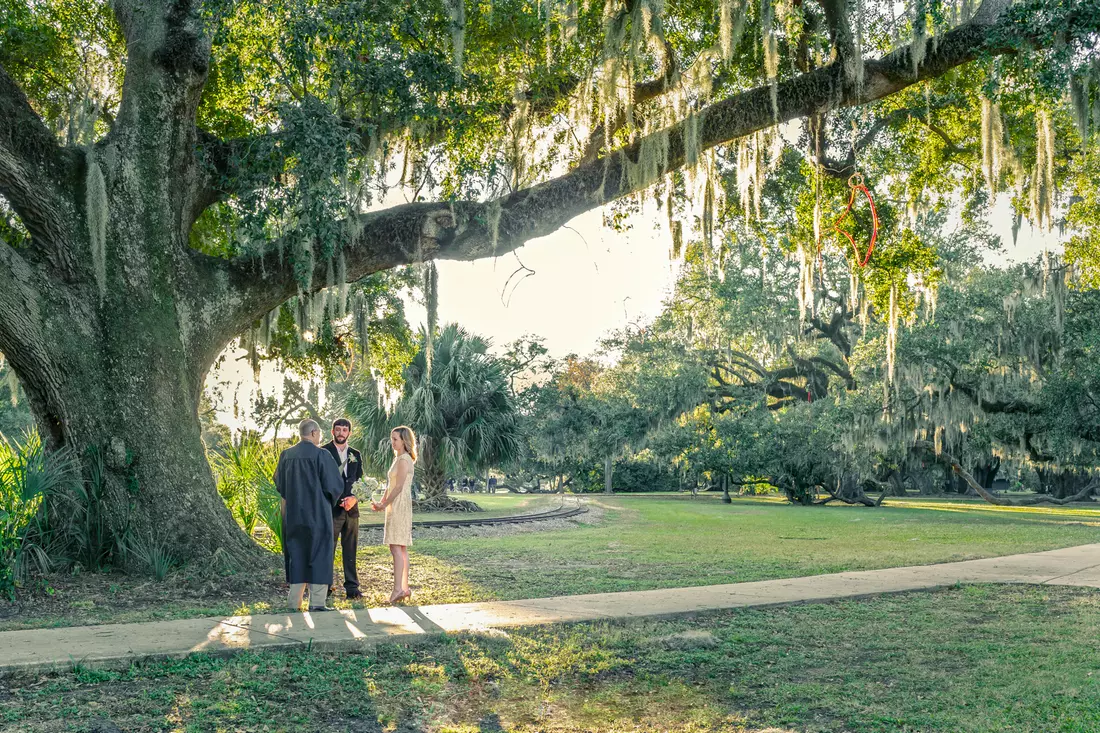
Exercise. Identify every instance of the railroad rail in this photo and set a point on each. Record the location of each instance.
(562, 512)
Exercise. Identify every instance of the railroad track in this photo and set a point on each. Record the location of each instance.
(562, 512)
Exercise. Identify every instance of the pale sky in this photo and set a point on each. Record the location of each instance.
(587, 280)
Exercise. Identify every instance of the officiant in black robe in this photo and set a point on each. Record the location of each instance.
(309, 482)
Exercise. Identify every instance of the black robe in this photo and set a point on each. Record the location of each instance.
(309, 480)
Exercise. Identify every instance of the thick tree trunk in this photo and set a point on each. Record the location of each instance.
(158, 487)
(114, 374)
(433, 481)
(429, 469)
(985, 472)
(608, 468)
(896, 485)
(111, 343)
(1060, 483)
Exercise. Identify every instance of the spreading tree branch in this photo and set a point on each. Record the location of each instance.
(842, 168)
(840, 30)
(1004, 407)
(466, 230)
(834, 329)
(842, 372)
(995, 499)
(32, 165)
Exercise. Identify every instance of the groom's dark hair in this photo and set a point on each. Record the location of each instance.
(341, 421)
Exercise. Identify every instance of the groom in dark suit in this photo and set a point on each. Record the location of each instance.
(345, 514)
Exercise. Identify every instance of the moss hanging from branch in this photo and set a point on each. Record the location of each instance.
(675, 228)
(1080, 89)
(431, 293)
(652, 162)
(853, 66)
(1042, 181)
(267, 327)
(731, 24)
(692, 124)
(756, 155)
(920, 33)
(519, 129)
(361, 317)
(96, 212)
(570, 23)
(806, 298)
(342, 284)
(993, 152)
(892, 335)
(771, 52)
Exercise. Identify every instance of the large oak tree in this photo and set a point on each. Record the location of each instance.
(172, 171)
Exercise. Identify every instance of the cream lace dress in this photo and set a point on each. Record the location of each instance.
(399, 513)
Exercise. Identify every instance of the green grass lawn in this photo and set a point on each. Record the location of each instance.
(637, 543)
(976, 659)
(645, 543)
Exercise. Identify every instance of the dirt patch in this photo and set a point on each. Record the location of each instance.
(113, 596)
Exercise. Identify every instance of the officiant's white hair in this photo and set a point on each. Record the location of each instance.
(306, 428)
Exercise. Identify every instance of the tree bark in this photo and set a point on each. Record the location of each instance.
(608, 469)
(100, 337)
(433, 479)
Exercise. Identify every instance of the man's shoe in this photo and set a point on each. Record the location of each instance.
(318, 609)
(353, 595)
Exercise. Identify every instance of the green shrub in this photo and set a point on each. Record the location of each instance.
(29, 479)
(245, 477)
(152, 554)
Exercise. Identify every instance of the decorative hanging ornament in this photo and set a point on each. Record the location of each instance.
(855, 182)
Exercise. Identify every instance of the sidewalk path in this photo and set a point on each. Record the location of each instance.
(119, 644)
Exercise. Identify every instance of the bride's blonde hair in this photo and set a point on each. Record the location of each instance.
(408, 437)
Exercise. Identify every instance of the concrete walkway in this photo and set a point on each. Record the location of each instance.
(120, 644)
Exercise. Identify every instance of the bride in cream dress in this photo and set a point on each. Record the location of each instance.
(397, 503)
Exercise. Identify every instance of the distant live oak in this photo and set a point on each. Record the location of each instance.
(178, 177)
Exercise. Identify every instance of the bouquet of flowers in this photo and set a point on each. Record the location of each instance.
(372, 487)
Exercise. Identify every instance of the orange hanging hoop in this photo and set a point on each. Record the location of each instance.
(855, 182)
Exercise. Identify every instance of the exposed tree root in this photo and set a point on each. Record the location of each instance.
(995, 498)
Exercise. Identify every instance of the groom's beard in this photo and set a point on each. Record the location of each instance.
(339, 441)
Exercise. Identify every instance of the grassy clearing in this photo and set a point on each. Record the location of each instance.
(648, 543)
(639, 543)
(975, 659)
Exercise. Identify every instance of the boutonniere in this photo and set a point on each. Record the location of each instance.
(351, 458)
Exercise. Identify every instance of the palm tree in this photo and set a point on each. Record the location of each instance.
(459, 404)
